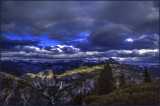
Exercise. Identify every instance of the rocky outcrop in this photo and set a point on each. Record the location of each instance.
(74, 84)
(85, 87)
(45, 89)
(42, 79)
(16, 91)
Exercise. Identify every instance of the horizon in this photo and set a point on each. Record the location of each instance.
(126, 31)
(69, 60)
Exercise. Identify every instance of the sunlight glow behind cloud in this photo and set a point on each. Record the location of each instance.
(129, 40)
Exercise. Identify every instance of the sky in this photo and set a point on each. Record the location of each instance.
(126, 31)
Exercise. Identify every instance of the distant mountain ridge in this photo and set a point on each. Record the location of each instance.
(22, 67)
(58, 66)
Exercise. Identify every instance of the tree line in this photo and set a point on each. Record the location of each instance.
(105, 83)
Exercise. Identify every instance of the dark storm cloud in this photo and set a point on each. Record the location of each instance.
(142, 16)
(36, 14)
(8, 44)
(112, 37)
(33, 15)
(149, 59)
(132, 53)
(62, 49)
(121, 55)
(105, 22)
(28, 46)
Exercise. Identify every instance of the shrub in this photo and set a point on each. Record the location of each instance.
(89, 99)
(135, 94)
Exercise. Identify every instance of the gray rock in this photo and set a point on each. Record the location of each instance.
(42, 79)
(16, 91)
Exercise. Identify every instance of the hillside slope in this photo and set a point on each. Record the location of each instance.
(64, 88)
(134, 94)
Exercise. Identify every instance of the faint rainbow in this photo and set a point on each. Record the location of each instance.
(124, 27)
(63, 21)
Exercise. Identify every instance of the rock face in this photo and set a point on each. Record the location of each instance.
(71, 85)
(16, 91)
(42, 79)
(74, 84)
(43, 88)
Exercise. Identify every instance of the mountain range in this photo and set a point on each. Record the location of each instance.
(48, 88)
(59, 66)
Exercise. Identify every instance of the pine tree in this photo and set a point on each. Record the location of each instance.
(105, 81)
(146, 76)
(77, 100)
(122, 80)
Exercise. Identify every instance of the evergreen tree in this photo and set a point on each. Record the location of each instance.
(105, 81)
(146, 76)
(122, 80)
(77, 100)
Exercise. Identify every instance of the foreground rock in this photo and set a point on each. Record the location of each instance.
(16, 91)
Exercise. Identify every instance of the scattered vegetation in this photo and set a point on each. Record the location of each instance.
(135, 94)
(77, 100)
(105, 93)
(146, 76)
(83, 69)
(6, 83)
(41, 74)
(31, 75)
(90, 98)
(122, 80)
(105, 82)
